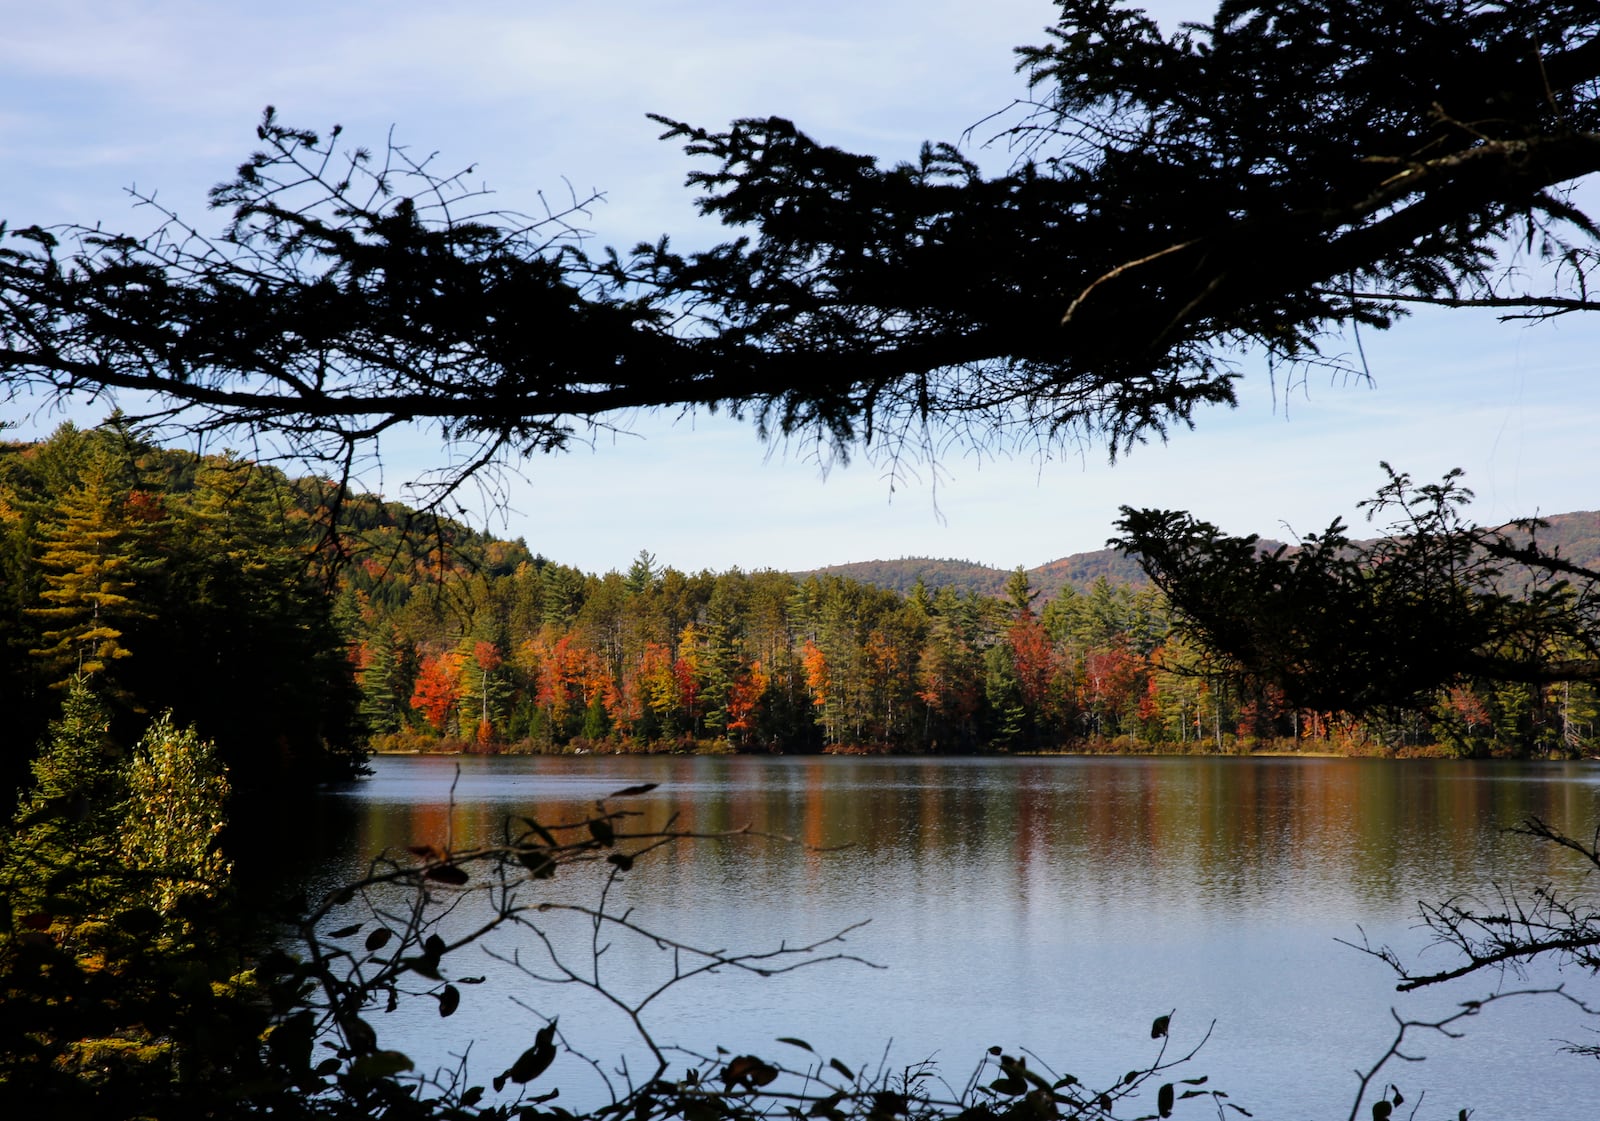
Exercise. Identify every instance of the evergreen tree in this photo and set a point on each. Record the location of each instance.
(62, 829)
(90, 558)
(248, 650)
(642, 573)
(1020, 594)
(120, 975)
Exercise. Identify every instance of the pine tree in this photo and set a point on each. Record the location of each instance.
(77, 779)
(90, 560)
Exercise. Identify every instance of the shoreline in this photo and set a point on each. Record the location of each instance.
(1274, 751)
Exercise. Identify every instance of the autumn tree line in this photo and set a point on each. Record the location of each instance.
(299, 625)
(520, 653)
(530, 654)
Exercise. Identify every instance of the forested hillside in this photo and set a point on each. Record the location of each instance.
(298, 625)
(172, 582)
(523, 651)
(1576, 536)
(934, 573)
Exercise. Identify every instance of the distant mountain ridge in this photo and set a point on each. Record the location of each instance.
(1079, 571)
(1575, 534)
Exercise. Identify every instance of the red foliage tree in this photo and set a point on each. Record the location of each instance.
(1034, 658)
(438, 689)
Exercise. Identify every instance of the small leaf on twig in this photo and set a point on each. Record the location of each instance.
(886, 1103)
(380, 1064)
(379, 938)
(538, 862)
(544, 834)
(359, 1034)
(535, 1060)
(447, 874)
(827, 1107)
(748, 1071)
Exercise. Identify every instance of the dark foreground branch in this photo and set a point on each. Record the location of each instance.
(1246, 183)
(396, 936)
(1509, 930)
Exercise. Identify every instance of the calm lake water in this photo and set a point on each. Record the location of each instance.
(1051, 904)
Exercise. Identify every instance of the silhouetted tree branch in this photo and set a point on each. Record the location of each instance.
(1447, 1026)
(1252, 182)
(1509, 929)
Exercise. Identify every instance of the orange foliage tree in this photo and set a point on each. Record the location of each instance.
(439, 688)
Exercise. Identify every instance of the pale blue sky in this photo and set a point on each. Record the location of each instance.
(99, 95)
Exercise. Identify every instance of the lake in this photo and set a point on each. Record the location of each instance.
(1051, 904)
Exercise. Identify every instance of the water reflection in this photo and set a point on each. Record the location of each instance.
(1051, 903)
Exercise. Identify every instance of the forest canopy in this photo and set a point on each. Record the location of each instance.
(172, 581)
(300, 626)
(1338, 162)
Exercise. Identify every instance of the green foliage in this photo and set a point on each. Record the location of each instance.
(120, 981)
(91, 561)
(172, 824)
(436, 636)
(661, 664)
(78, 780)
(175, 582)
